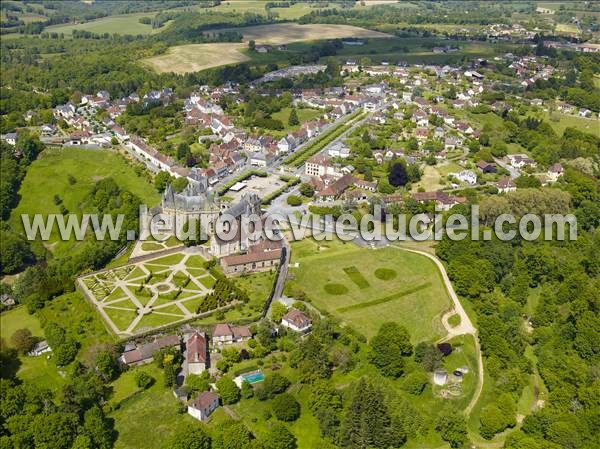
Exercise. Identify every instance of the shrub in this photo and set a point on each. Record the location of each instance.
(415, 382)
(294, 200)
(286, 408)
(143, 380)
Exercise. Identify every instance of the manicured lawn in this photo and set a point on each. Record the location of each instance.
(48, 176)
(155, 320)
(42, 371)
(454, 320)
(304, 115)
(121, 318)
(195, 262)
(18, 318)
(415, 298)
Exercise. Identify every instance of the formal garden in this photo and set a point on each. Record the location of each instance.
(138, 297)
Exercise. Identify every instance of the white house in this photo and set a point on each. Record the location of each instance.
(467, 176)
(10, 138)
(296, 321)
(338, 149)
(39, 348)
(555, 172)
(202, 407)
(506, 185)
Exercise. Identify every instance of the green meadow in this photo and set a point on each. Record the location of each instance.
(365, 287)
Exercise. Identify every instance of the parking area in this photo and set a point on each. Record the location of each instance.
(261, 186)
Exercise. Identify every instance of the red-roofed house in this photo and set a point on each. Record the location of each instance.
(202, 407)
(296, 320)
(224, 334)
(197, 353)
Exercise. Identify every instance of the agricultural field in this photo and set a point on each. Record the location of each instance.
(284, 33)
(49, 176)
(119, 24)
(367, 287)
(142, 296)
(196, 57)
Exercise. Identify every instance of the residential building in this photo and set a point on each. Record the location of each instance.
(203, 406)
(196, 353)
(224, 334)
(296, 321)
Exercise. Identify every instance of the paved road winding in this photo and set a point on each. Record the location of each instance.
(465, 326)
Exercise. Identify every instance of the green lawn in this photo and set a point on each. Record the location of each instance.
(42, 371)
(76, 315)
(147, 419)
(258, 286)
(48, 176)
(304, 115)
(415, 298)
(560, 122)
(18, 318)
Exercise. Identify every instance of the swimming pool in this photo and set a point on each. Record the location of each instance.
(254, 378)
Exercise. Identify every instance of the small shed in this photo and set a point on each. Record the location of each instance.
(440, 377)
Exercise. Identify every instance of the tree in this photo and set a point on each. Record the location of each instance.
(247, 390)
(16, 253)
(228, 390)
(367, 420)
(279, 437)
(180, 183)
(143, 380)
(391, 343)
(278, 310)
(231, 435)
(22, 340)
(106, 363)
(251, 45)
(66, 352)
(451, 426)
(97, 428)
(294, 200)
(55, 335)
(415, 382)
(161, 180)
(428, 356)
(307, 190)
(398, 175)
(190, 437)
(492, 421)
(54, 430)
(286, 408)
(385, 187)
(527, 181)
(293, 119)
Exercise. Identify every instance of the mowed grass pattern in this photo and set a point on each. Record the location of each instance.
(415, 297)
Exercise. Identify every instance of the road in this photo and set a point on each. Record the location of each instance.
(514, 173)
(464, 328)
